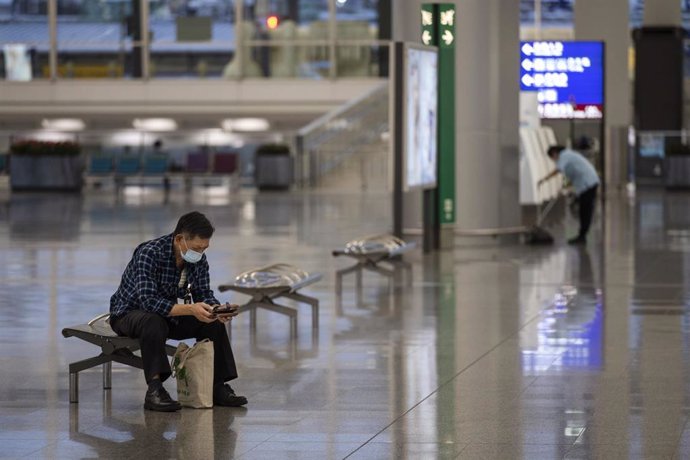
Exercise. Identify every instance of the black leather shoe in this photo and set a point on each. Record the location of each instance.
(159, 400)
(223, 395)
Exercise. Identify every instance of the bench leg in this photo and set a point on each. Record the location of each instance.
(74, 387)
(315, 316)
(314, 302)
(408, 268)
(75, 368)
(107, 375)
(338, 285)
(252, 320)
(339, 277)
(293, 328)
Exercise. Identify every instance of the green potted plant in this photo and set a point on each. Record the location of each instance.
(46, 165)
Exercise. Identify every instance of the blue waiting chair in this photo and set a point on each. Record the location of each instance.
(155, 165)
(101, 165)
(128, 165)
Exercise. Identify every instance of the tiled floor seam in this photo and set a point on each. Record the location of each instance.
(524, 325)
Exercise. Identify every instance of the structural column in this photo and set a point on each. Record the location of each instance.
(609, 21)
(662, 13)
(487, 106)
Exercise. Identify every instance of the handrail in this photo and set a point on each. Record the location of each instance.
(352, 130)
(325, 118)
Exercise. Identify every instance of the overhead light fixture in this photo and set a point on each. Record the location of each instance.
(63, 124)
(130, 138)
(246, 124)
(214, 137)
(155, 124)
(52, 136)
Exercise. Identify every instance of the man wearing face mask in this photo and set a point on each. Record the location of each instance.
(149, 306)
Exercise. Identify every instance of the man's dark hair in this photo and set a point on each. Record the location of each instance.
(194, 224)
(554, 149)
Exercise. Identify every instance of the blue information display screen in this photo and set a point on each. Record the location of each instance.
(568, 76)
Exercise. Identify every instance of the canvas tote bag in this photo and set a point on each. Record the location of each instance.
(193, 369)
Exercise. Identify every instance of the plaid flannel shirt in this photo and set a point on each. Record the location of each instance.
(151, 280)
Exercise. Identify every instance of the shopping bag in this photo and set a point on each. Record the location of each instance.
(193, 369)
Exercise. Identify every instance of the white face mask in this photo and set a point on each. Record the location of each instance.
(190, 255)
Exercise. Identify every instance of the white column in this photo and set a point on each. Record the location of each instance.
(662, 13)
(609, 21)
(486, 105)
(52, 31)
(145, 40)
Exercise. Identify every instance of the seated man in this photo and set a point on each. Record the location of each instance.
(148, 306)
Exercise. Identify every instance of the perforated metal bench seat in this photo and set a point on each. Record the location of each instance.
(265, 284)
(113, 348)
(369, 252)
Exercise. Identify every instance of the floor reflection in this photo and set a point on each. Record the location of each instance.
(569, 333)
(186, 434)
(495, 350)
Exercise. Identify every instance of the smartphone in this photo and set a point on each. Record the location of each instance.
(226, 309)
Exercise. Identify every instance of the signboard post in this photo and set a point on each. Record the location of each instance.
(438, 29)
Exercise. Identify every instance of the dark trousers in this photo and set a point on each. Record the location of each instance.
(587, 201)
(153, 331)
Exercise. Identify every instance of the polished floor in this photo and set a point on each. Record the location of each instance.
(495, 351)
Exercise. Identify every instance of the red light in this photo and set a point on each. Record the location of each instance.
(272, 22)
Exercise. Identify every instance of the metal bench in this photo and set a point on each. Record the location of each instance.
(265, 284)
(370, 252)
(113, 348)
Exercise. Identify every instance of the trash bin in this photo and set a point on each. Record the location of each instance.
(273, 167)
(677, 169)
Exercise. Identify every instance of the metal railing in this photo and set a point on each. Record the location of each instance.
(352, 138)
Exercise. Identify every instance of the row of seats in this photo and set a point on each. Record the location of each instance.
(535, 164)
(158, 164)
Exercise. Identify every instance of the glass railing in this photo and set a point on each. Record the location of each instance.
(350, 143)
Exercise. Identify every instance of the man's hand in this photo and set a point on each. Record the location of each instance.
(202, 312)
(225, 317)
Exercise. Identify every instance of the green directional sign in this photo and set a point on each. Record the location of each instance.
(438, 29)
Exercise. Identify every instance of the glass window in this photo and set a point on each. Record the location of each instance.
(24, 39)
(357, 24)
(294, 38)
(553, 12)
(191, 38)
(286, 38)
(93, 38)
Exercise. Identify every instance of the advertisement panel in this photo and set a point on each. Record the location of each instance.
(421, 116)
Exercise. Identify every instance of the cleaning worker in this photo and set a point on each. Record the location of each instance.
(582, 175)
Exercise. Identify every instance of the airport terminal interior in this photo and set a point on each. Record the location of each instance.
(493, 351)
(457, 340)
